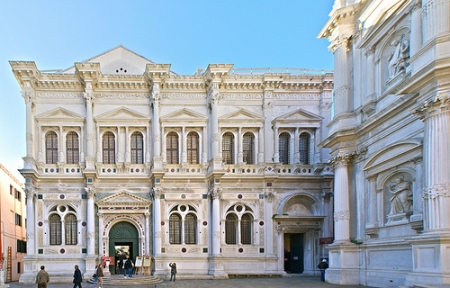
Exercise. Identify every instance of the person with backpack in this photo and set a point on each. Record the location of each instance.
(323, 266)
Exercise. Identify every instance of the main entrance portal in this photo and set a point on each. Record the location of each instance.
(123, 243)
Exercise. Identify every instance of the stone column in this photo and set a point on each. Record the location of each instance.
(183, 144)
(269, 196)
(28, 96)
(90, 157)
(416, 29)
(342, 95)
(31, 228)
(157, 192)
(341, 199)
(370, 72)
(373, 200)
(214, 195)
(276, 145)
(101, 239)
(147, 233)
(214, 122)
(156, 127)
(267, 109)
(90, 219)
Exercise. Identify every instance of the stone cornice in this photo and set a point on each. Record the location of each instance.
(336, 17)
(430, 107)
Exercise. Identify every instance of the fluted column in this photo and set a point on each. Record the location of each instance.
(156, 127)
(31, 228)
(28, 96)
(436, 118)
(341, 199)
(370, 72)
(416, 29)
(268, 222)
(147, 233)
(276, 144)
(214, 195)
(101, 248)
(157, 191)
(215, 124)
(89, 97)
(373, 218)
(90, 219)
(342, 97)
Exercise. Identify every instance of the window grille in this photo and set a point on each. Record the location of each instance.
(51, 148)
(246, 229)
(231, 229)
(192, 148)
(172, 148)
(249, 148)
(137, 148)
(71, 229)
(109, 148)
(190, 229)
(283, 147)
(73, 148)
(304, 148)
(228, 148)
(175, 229)
(55, 230)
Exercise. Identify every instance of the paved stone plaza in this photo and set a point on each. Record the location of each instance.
(301, 281)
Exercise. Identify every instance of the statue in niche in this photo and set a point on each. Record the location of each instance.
(397, 59)
(401, 200)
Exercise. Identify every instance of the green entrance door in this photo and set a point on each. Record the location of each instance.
(123, 242)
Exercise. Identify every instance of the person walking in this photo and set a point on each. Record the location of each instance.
(42, 278)
(99, 276)
(94, 277)
(77, 279)
(173, 271)
(128, 267)
(322, 266)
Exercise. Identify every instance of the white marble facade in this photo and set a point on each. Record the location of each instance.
(219, 171)
(389, 142)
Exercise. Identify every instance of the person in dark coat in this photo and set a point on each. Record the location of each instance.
(173, 271)
(323, 266)
(77, 279)
(100, 276)
(128, 267)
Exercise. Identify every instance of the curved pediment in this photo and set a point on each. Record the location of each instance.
(299, 117)
(59, 115)
(124, 199)
(393, 155)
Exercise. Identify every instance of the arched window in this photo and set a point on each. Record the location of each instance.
(192, 148)
(109, 148)
(231, 229)
(283, 147)
(172, 148)
(70, 227)
(55, 229)
(304, 148)
(190, 229)
(228, 148)
(137, 148)
(248, 148)
(73, 148)
(246, 229)
(175, 229)
(51, 148)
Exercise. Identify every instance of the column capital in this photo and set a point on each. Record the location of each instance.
(343, 159)
(270, 196)
(157, 192)
(30, 192)
(90, 191)
(372, 178)
(433, 106)
(215, 193)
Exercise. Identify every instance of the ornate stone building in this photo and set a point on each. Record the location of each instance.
(389, 142)
(219, 171)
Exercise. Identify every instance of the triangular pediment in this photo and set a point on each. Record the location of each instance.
(299, 117)
(124, 198)
(184, 116)
(59, 115)
(119, 60)
(241, 115)
(122, 114)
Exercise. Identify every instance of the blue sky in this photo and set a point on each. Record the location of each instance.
(186, 34)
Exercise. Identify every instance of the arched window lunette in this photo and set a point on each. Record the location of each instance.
(190, 229)
(55, 229)
(192, 148)
(172, 148)
(71, 230)
(248, 148)
(175, 229)
(283, 147)
(137, 148)
(304, 148)
(228, 148)
(72, 148)
(231, 229)
(246, 229)
(51, 148)
(109, 148)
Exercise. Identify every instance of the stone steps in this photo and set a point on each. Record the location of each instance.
(134, 281)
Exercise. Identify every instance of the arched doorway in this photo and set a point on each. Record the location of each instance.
(123, 242)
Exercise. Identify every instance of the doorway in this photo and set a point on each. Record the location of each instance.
(293, 253)
(123, 243)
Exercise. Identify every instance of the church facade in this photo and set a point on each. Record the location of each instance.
(389, 142)
(219, 171)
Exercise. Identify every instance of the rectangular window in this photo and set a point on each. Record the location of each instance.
(21, 246)
(18, 219)
(19, 267)
(18, 195)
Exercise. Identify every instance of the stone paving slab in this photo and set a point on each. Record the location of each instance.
(279, 282)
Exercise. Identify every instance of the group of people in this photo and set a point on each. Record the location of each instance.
(42, 278)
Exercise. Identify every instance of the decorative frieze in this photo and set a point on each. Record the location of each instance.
(63, 95)
(122, 95)
(280, 96)
(200, 96)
